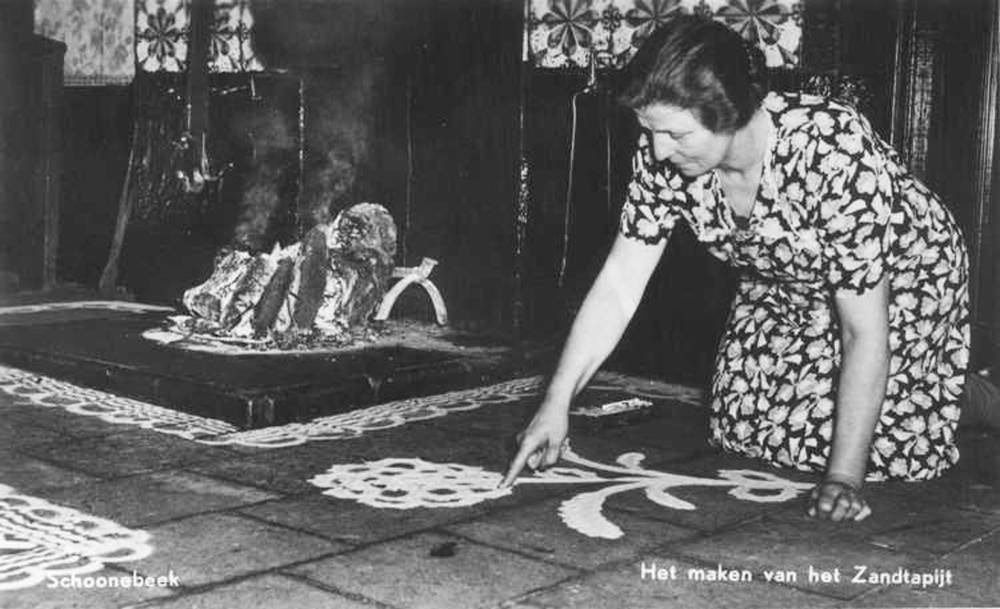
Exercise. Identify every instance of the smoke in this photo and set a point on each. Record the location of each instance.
(339, 121)
(270, 131)
(338, 51)
(300, 35)
(261, 200)
(274, 145)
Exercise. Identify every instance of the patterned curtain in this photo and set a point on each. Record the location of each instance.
(161, 36)
(98, 36)
(567, 33)
(108, 40)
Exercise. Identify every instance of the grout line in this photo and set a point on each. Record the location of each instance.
(526, 595)
(125, 476)
(516, 551)
(351, 544)
(354, 596)
(969, 543)
(233, 480)
(62, 466)
(277, 571)
(175, 519)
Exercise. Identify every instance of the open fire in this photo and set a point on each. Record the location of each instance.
(318, 291)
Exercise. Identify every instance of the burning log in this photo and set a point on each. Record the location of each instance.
(270, 301)
(330, 282)
(247, 293)
(312, 279)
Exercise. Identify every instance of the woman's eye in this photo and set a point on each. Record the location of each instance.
(670, 134)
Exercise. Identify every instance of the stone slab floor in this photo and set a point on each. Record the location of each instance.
(107, 502)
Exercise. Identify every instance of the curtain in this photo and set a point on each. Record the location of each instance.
(98, 36)
(161, 32)
(108, 40)
(567, 33)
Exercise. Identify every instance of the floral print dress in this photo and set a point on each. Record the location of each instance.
(835, 212)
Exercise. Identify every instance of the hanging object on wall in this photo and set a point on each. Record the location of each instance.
(162, 36)
(566, 33)
(98, 35)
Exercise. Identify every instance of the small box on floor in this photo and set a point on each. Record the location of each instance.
(612, 414)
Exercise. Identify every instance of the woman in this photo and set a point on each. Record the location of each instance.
(847, 344)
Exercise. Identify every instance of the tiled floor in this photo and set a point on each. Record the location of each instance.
(248, 527)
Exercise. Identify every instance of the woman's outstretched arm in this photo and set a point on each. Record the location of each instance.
(599, 325)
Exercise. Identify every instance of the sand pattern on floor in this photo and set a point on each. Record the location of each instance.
(408, 483)
(39, 539)
(39, 390)
(102, 305)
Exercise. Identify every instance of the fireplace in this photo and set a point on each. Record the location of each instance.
(319, 291)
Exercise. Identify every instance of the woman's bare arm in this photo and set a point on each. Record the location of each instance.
(864, 371)
(599, 325)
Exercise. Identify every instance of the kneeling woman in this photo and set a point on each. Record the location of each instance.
(847, 344)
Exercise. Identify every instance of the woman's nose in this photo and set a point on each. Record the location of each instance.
(663, 146)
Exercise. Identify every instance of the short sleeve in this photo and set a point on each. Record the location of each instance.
(648, 213)
(855, 199)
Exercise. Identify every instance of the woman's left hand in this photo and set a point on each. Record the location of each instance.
(837, 500)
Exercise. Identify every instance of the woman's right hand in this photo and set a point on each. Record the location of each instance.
(541, 443)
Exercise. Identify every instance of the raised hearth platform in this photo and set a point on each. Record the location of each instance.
(104, 348)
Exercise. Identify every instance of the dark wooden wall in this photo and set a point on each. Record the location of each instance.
(30, 150)
(15, 29)
(444, 87)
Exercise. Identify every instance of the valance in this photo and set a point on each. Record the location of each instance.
(98, 35)
(161, 36)
(568, 33)
(107, 41)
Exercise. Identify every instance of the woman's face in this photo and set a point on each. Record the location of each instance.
(678, 136)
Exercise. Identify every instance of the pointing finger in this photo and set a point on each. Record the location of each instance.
(517, 464)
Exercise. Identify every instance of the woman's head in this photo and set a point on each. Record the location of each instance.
(697, 64)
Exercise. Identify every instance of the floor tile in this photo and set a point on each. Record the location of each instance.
(19, 432)
(281, 470)
(262, 592)
(650, 432)
(230, 520)
(714, 508)
(405, 573)
(153, 498)
(679, 430)
(218, 547)
(61, 594)
(125, 453)
(29, 475)
(356, 523)
(504, 419)
(625, 588)
(935, 529)
(61, 421)
(976, 568)
(824, 555)
(538, 531)
(905, 516)
(970, 578)
(909, 597)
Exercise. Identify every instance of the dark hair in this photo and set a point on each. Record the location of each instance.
(697, 64)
